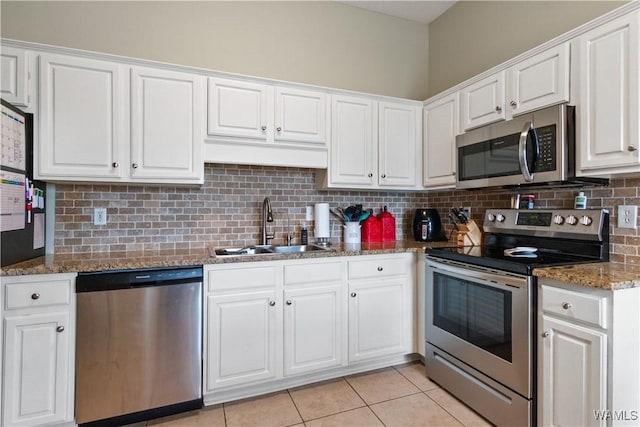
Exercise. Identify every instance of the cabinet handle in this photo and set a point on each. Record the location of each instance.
(380, 269)
(545, 334)
(514, 104)
(353, 294)
(60, 328)
(135, 166)
(35, 295)
(263, 128)
(272, 303)
(278, 128)
(566, 305)
(498, 109)
(289, 302)
(384, 175)
(115, 164)
(632, 148)
(370, 175)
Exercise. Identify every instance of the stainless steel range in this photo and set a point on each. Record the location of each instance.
(480, 305)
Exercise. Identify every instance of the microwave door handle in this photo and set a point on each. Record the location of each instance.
(522, 151)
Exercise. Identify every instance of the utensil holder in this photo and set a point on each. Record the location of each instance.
(352, 232)
(469, 234)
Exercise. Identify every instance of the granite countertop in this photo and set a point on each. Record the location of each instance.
(103, 261)
(608, 276)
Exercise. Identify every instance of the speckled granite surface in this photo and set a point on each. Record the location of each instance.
(152, 259)
(604, 275)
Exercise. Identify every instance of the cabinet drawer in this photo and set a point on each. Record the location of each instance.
(312, 273)
(378, 267)
(239, 278)
(575, 305)
(37, 294)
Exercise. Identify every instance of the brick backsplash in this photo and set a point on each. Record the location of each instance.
(226, 210)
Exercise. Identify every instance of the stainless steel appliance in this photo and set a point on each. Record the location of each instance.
(533, 149)
(138, 345)
(427, 226)
(480, 305)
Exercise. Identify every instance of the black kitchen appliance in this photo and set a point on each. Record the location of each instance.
(427, 226)
(22, 211)
(480, 328)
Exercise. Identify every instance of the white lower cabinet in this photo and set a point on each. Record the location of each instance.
(588, 350)
(39, 342)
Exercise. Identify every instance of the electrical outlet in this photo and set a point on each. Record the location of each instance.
(627, 216)
(467, 211)
(309, 213)
(100, 216)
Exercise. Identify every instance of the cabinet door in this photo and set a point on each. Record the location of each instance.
(167, 132)
(241, 344)
(353, 154)
(540, 81)
(572, 369)
(313, 328)
(397, 145)
(607, 111)
(483, 101)
(300, 115)
(378, 321)
(81, 119)
(36, 369)
(238, 109)
(441, 125)
(14, 76)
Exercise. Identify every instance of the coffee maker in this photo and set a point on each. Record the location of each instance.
(427, 226)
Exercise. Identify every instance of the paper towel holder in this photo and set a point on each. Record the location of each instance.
(322, 228)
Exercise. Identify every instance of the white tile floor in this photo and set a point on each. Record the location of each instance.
(397, 396)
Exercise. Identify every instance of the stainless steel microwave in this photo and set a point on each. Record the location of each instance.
(536, 149)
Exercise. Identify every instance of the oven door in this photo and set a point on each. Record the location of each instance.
(482, 318)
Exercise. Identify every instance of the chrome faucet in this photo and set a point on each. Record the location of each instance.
(267, 216)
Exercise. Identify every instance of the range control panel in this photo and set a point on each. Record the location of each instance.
(567, 223)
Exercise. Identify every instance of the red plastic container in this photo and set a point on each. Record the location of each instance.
(371, 230)
(388, 226)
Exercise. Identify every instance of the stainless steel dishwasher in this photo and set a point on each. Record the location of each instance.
(139, 345)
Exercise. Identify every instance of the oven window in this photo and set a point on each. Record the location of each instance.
(479, 314)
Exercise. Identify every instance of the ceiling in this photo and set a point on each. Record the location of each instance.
(423, 11)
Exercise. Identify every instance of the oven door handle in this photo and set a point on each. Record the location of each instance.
(493, 280)
(527, 169)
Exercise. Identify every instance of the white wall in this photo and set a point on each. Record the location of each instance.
(316, 42)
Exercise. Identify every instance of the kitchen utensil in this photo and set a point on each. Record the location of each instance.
(350, 212)
(338, 213)
(364, 215)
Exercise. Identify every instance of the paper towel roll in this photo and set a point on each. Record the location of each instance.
(321, 216)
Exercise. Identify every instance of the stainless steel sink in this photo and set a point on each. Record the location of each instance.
(265, 249)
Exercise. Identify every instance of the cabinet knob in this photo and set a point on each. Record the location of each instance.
(115, 164)
(289, 302)
(370, 175)
(514, 104)
(380, 268)
(498, 109)
(384, 175)
(135, 166)
(263, 128)
(35, 295)
(566, 305)
(278, 128)
(60, 328)
(353, 294)
(545, 334)
(272, 303)
(632, 148)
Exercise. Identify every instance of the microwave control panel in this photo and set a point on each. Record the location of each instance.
(547, 143)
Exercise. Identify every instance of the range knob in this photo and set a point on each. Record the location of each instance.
(558, 219)
(586, 220)
(572, 220)
(491, 217)
(500, 218)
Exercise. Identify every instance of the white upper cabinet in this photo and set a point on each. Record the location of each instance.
(483, 102)
(167, 132)
(14, 76)
(540, 81)
(98, 125)
(608, 124)
(373, 144)
(237, 108)
(441, 125)
(300, 115)
(82, 120)
(536, 82)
